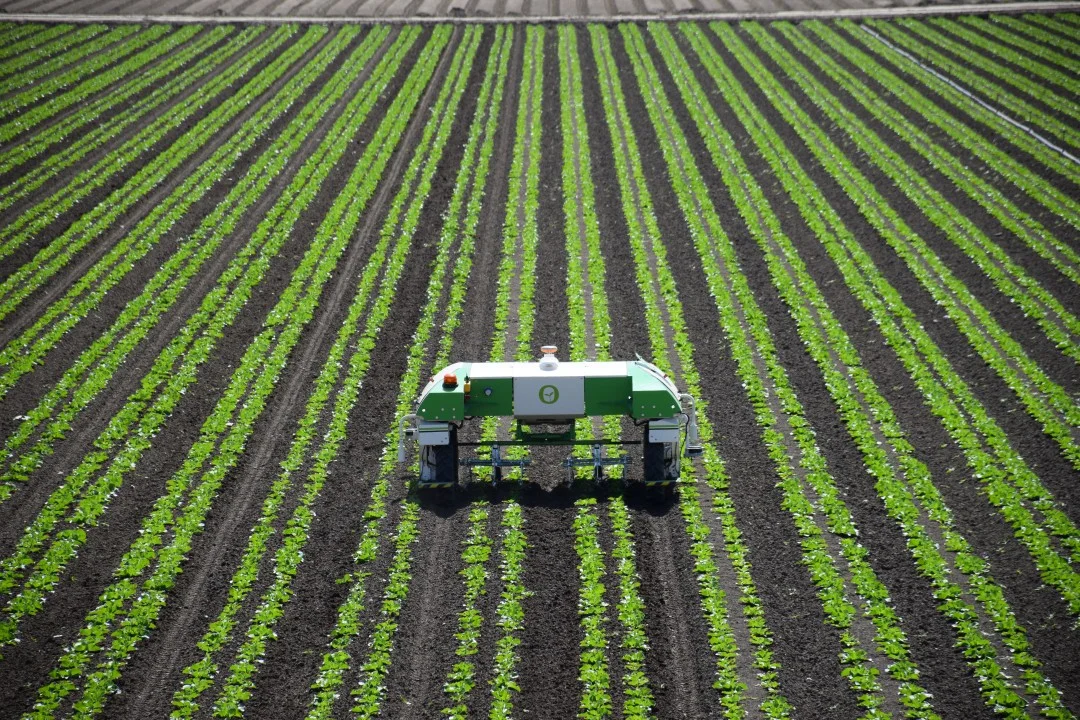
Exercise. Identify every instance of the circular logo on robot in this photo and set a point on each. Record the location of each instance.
(549, 394)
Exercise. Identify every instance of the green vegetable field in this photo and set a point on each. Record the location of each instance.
(231, 256)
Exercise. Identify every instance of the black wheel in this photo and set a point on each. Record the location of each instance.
(441, 462)
(654, 461)
(661, 460)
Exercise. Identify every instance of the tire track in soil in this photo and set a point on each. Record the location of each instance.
(292, 662)
(69, 451)
(679, 661)
(33, 305)
(283, 411)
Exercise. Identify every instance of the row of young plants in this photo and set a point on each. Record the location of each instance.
(988, 441)
(978, 120)
(24, 43)
(869, 418)
(475, 555)
(32, 222)
(201, 674)
(66, 64)
(520, 233)
(130, 432)
(179, 516)
(104, 216)
(589, 323)
(592, 609)
(510, 613)
(21, 354)
(114, 84)
(1033, 234)
(663, 313)
(903, 482)
(456, 231)
(990, 83)
(97, 364)
(38, 56)
(24, 110)
(515, 314)
(399, 228)
(1018, 51)
(178, 71)
(838, 563)
(1044, 399)
(461, 679)
(1043, 30)
(1010, 278)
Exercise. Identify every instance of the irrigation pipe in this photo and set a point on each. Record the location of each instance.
(971, 96)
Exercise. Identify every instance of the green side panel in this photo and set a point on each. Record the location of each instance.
(607, 396)
(651, 398)
(498, 402)
(443, 404)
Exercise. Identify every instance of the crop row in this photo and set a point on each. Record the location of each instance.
(22, 353)
(809, 492)
(134, 426)
(987, 84)
(200, 674)
(91, 373)
(164, 88)
(34, 220)
(27, 43)
(592, 608)
(456, 231)
(1004, 45)
(90, 226)
(869, 418)
(1011, 480)
(31, 86)
(1012, 280)
(1040, 30)
(224, 434)
(98, 363)
(475, 554)
(589, 321)
(44, 53)
(161, 39)
(663, 314)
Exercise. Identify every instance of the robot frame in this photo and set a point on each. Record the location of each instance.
(546, 393)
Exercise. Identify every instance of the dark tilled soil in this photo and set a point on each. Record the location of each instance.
(679, 663)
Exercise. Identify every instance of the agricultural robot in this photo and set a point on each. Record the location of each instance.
(544, 399)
